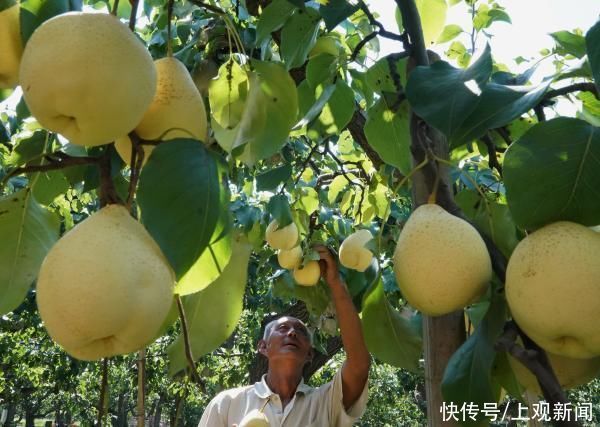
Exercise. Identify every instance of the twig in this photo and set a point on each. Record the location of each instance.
(535, 359)
(492, 157)
(539, 112)
(169, 18)
(186, 341)
(137, 161)
(341, 165)
(374, 22)
(103, 390)
(362, 43)
(305, 163)
(108, 193)
(133, 15)
(577, 87)
(209, 7)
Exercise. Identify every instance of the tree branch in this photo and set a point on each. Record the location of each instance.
(577, 87)
(208, 7)
(186, 341)
(374, 22)
(492, 156)
(535, 359)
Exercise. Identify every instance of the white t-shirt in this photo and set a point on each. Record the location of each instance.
(310, 407)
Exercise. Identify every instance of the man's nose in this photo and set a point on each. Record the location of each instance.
(292, 332)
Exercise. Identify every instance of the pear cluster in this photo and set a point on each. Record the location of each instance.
(289, 253)
(441, 262)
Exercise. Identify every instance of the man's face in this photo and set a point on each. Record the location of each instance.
(288, 339)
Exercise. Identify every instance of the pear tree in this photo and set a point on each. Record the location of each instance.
(159, 159)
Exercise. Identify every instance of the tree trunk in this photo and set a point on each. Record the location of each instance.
(121, 420)
(29, 417)
(10, 415)
(158, 411)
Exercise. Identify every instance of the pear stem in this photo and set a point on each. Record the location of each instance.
(169, 19)
(186, 340)
(136, 162)
(133, 15)
(115, 8)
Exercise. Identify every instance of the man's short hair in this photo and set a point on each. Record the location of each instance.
(272, 323)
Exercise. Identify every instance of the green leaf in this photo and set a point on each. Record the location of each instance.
(213, 313)
(272, 18)
(495, 220)
(335, 11)
(570, 43)
(389, 334)
(309, 107)
(497, 106)
(468, 375)
(298, 36)
(387, 131)
(35, 12)
(279, 208)
(178, 195)
(592, 41)
(321, 69)
(338, 184)
(49, 185)
(316, 297)
(28, 149)
(551, 174)
(309, 200)
(227, 96)
(433, 18)
(337, 111)
(498, 15)
(28, 232)
(270, 179)
(387, 75)
(445, 96)
(269, 114)
(450, 32)
(5, 4)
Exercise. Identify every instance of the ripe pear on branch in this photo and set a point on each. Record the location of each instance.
(553, 288)
(353, 252)
(281, 238)
(291, 258)
(11, 47)
(569, 372)
(307, 274)
(105, 287)
(177, 110)
(87, 77)
(441, 262)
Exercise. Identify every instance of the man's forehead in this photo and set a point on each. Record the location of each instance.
(290, 321)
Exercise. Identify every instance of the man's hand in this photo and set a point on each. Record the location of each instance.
(329, 267)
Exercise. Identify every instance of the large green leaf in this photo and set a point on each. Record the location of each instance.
(321, 69)
(551, 174)
(270, 179)
(335, 113)
(450, 32)
(388, 132)
(269, 114)
(387, 75)
(335, 11)
(28, 232)
(497, 106)
(445, 96)
(592, 41)
(298, 36)
(272, 18)
(390, 335)
(213, 313)
(178, 195)
(468, 375)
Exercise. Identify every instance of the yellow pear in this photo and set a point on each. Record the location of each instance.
(177, 110)
(569, 372)
(11, 46)
(254, 418)
(308, 275)
(353, 253)
(105, 288)
(87, 77)
(441, 262)
(281, 238)
(290, 258)
(553, 288)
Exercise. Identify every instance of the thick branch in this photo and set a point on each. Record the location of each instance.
(207, 6)
(492, 157)
(412, 23)
(577, 87)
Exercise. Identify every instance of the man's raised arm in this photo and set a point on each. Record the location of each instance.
(355, 370)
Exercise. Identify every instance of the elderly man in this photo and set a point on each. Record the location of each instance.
(281, 395)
